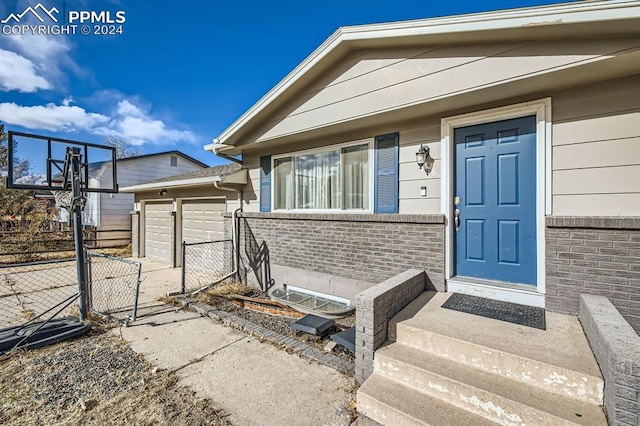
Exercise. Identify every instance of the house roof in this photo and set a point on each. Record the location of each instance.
(576, 19)
(195, 178)
(155, 154)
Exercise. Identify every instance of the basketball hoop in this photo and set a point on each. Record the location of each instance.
(64, 199)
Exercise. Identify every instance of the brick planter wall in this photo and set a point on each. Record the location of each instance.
(365, 247)
(374, 308)
(594, 255)
(617, 350)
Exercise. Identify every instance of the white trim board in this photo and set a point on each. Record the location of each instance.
(541, 108)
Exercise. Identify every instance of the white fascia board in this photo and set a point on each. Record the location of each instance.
(237, 177)
(216, 147)
(562, 14)
(172, 184)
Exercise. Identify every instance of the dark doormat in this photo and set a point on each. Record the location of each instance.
(529, 316)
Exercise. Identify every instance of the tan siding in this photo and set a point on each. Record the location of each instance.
(596, 153)
(597, 205)
(438, 73)
(599, 128)
(618, 180)
(617, 152)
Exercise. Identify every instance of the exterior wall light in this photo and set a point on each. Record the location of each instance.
(162, 192)
(424, 160)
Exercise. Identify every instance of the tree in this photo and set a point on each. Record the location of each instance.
(13, 202)
(24, 219)
(123, 149)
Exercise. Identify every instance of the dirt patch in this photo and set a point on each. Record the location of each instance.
(217, 298)
(97, 380)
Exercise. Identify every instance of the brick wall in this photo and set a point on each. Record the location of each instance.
(366, 247)
(617, 350)
(598, 256)
(374, 308)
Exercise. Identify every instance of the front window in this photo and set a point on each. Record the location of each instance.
(328, 180)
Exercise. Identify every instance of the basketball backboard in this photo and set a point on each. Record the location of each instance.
(38, 162)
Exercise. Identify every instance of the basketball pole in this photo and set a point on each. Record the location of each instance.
(76, 191)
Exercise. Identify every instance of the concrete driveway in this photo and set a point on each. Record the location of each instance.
(254, 382)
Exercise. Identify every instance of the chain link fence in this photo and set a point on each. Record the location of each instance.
(114, 286)
(205, 263)
(40, 291)
(31, 290)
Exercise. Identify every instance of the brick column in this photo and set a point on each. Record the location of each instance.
(135, 233)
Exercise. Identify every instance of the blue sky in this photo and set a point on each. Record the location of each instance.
(180, 72)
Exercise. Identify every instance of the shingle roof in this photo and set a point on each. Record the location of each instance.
(225, 169)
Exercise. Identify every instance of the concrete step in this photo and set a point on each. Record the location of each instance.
(557, 359)
(488, 395)
(389, 403)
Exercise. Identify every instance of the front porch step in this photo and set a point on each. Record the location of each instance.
(485, 394)
(390, 403)
(556, 360)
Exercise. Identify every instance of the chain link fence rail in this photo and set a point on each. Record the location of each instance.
(205, 263)
(29, 291)
(114, 286)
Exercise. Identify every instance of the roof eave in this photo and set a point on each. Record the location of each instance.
(237, 177)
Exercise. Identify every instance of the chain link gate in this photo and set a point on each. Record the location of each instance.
(113, 287)
(205, 264)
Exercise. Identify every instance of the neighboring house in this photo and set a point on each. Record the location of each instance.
(111, 212)
(186, 207)
(532, 121)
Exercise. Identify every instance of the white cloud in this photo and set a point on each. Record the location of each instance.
(52, 117)
(50, 54)
(19, 73)
(129, 122)
(127, 108)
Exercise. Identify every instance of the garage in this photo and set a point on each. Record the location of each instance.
(201, 200)
(158, 236)
(202, 220)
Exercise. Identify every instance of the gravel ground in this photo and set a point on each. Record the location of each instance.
(96, 379)
(217, 298)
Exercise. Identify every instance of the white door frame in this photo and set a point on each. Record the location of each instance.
(541, 108)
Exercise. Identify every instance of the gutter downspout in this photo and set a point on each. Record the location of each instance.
(234, 238)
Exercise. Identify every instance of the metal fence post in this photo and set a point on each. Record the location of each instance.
(183, 275)
(135, 305)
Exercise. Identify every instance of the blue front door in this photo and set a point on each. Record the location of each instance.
(495, 190)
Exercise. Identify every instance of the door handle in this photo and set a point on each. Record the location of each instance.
(456, 219)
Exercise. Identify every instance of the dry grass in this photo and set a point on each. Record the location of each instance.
(97, 380)
(223, 290)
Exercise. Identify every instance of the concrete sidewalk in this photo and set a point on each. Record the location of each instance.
(253, 382)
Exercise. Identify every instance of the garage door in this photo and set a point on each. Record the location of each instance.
(202, 220)
(158, 225)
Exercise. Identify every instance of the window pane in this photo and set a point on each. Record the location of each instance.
(355, 162)
(317, 180)
(283, 186)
